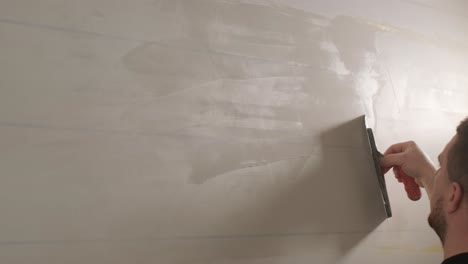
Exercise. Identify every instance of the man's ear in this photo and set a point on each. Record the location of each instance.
(455, 197)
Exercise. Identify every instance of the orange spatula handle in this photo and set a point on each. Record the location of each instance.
(411, 187)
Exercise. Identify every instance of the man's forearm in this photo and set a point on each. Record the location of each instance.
(427, 180)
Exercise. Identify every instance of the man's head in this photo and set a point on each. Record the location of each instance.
(450, 189)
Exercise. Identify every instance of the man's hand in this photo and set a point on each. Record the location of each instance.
(407, 159)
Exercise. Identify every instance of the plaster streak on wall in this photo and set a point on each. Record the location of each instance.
(336, 65)
(254, 79)
(356, 43)
(367, 85)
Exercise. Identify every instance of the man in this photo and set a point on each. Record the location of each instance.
(446, 187)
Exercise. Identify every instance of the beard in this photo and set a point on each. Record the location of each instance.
(437, 220)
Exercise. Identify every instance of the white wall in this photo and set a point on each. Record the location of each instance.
(220, 131)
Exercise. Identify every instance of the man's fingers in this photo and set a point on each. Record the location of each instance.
(391, 160)
(398, 148)
(396, 172)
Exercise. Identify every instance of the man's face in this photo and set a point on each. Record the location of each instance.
(437, 218)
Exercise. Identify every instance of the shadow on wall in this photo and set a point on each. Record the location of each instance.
(335, 204)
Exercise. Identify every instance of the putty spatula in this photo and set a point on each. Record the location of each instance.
(376, 156)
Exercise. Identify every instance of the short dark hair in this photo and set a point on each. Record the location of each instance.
(457, 164)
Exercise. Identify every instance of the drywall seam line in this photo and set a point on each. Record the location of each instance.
(67, 30)
(201, 237)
